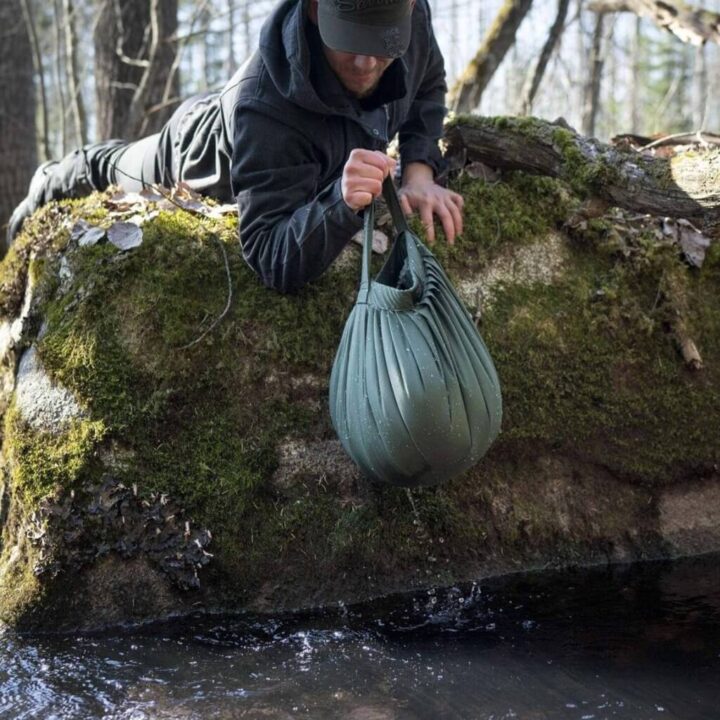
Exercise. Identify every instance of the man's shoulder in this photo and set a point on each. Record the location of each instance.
(251, 92)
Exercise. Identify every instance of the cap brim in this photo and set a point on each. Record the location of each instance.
(350, 37)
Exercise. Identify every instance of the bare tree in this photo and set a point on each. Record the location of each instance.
(135, 80)
(592, 88)
(247, 36)
(231, 63)
(635, 78)
(692, 25)
(18, 147)
(534, 78)
(700, 96)
(467, 91)
(58, 65)
(77, 107)
(28, 14)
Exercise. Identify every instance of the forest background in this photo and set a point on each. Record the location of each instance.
(77, 71)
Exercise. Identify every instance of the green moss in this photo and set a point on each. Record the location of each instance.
(588, 366)
(13, 275)
(199, 420)
(520, 210)
(586, 177)
(42, 462)
(42, 236)
(591, 362)
(21, 588)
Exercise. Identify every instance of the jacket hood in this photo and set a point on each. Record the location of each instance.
(285, 51)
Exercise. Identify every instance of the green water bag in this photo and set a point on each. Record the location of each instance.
(414, 395)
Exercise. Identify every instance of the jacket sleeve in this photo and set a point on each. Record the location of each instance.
(419, 134)
(291, 229)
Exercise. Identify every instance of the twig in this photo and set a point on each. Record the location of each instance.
(664, 139)
(227, 304)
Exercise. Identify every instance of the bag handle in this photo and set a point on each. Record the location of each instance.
(399, 222)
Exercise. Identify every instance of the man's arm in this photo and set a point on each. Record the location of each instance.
(421, 158)
(291, 230)
(423, 127)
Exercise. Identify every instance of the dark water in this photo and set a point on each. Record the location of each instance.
(635, 642)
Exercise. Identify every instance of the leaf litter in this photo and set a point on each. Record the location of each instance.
(129, 211)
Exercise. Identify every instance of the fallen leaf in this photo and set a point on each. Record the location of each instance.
(141, 218)
(153, 193)
(692, 242)
(85, 234)
(125, 236)
(92, 237)
(480, 170)
(219, 210)
(379, 243)
(78, 229)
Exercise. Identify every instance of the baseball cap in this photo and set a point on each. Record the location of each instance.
(366, 27)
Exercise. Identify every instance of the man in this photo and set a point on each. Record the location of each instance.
(298, 136)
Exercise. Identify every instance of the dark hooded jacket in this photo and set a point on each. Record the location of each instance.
(294, 127)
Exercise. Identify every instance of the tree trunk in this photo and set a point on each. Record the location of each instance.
(18, 144)
(700, 97)
(534, 79)
(231, 64)
(60, 61)
(467, 91)
(635, 84)
(247, 30)
(206, 52)
(692, 25)
(687, 187)
(161, 93)
(133, 53)
(592, 89)
(29, 17)
(76, 101)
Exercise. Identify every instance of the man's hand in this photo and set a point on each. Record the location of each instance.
(420, 192)
(363, 177)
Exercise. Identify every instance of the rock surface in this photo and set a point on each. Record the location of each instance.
(42, 403)
(165, 452)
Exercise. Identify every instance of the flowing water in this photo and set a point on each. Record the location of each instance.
(634, 642)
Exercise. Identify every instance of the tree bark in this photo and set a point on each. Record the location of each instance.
(534, 80)
(28, 15)
(18, 143)
(592, 89)
(635, 84)
(76, 101)
(163, 85)
(60, 63)
(467, 91)
(692, 25)
(687, 185)
(231, 62)
(700, 96)
(133, 52)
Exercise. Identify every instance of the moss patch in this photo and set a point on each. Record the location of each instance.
(41, 461)
(588, 364)
(591, 361)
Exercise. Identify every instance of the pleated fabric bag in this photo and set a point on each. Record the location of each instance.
(414, 395)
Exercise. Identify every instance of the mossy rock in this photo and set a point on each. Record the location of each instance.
(201, 471)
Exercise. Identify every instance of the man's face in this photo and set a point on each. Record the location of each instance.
(359, 74)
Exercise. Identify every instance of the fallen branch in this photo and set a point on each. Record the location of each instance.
(690, 24)
(686, 185)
